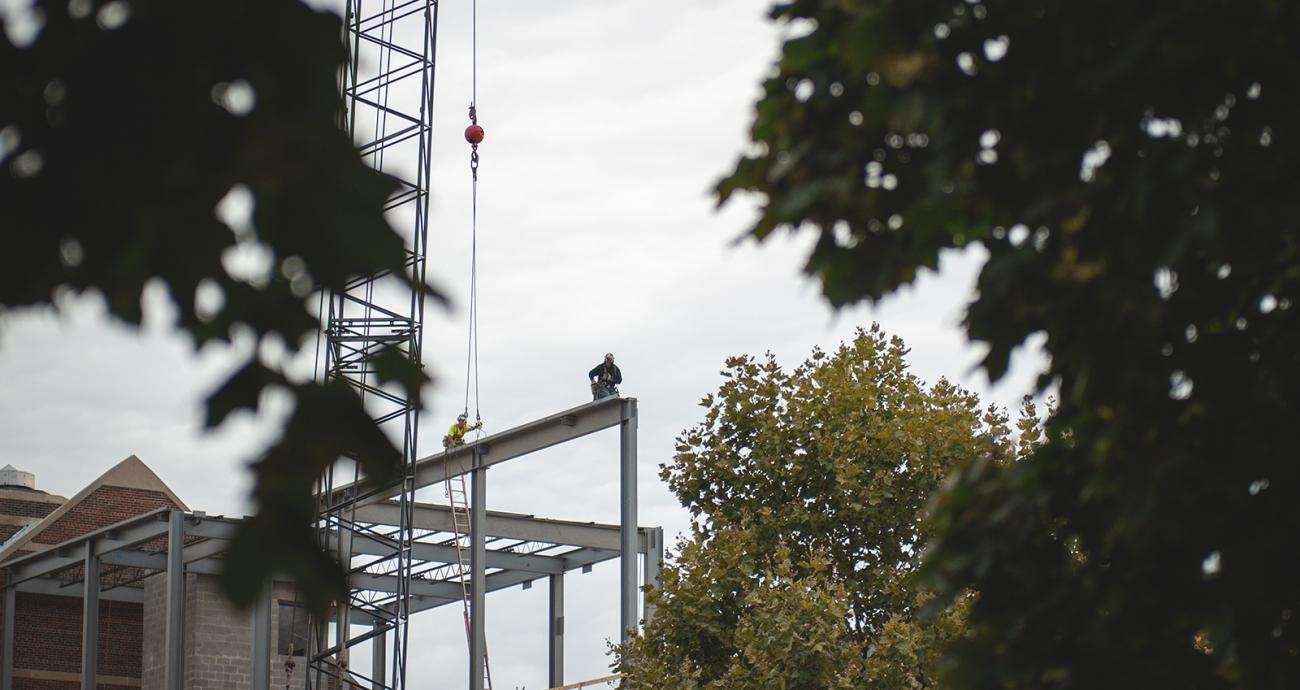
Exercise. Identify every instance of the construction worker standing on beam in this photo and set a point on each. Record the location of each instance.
(456, 434)
(604, 377)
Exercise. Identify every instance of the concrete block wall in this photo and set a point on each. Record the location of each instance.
(218, 638)
(153, 661)
(297, 676)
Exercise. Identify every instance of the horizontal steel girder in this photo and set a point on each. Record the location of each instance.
(112, 542)
(441, 553)
(505, 445)
(428, 595)
(133, 595)
(588, 535)
(509, 578)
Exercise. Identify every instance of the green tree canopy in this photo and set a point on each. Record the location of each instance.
(1127, 167)
(123, 125)
(807, 490)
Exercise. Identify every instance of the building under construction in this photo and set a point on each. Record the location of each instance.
(149, 614)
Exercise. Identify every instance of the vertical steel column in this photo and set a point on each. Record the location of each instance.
(316, 674)
(343, 609)
(378, 652)
(7, 663)
(556, 647)
(90, 618)
(261, 679)
(654, 557)
(175, 630)
(627, 520)
(478, 574)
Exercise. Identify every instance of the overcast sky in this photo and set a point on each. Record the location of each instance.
(607, 125)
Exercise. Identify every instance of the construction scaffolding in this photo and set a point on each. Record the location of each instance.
(506, 550)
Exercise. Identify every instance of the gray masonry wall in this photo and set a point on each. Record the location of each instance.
(153, 662)
(218, 639)
(297, 678)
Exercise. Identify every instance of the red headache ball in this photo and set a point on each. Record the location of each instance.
(474, 134)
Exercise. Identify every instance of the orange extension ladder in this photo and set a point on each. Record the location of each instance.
(461, 521)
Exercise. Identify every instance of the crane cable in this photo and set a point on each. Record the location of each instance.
(474, 135)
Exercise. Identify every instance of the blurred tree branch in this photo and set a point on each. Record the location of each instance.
(1129, 168)
(123, 127)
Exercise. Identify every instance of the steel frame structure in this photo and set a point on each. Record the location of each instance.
(509, 549)
(387, 88)
(374, 512)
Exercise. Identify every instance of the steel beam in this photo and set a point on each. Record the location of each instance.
(555, 648)
(478, 578)
(195, 553)
(507, 445)
(627, 519)
(343, 621)
(421, 600)
(654, 558)
(133, 595)
(119, 539)
(504, 560)
(7, 643)
(90, 618)
(506, 526)
(388, 583)
(175, 615)
(72, 553)
(200, 550)
(261, 651)
(512, 578)
(320, 628)
(212, 528)
(378, 657)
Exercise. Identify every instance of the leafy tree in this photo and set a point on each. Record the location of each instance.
(122, 127)
(1128, 168)
(807, 490)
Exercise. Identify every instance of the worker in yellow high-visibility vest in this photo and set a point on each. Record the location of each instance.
(456, 434)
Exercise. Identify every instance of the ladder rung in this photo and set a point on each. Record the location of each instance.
(462, 523)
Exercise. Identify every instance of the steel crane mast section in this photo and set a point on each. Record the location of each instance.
(387, 89)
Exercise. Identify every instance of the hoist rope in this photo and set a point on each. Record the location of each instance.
(473, 52)
(471, 349)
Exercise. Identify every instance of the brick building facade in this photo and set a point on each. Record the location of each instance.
(48, 628)
(47, 650)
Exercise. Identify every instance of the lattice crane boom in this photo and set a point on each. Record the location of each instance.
(387, 90)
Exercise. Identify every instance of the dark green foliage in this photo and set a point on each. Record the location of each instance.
(1129, 168)
(118, 138)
